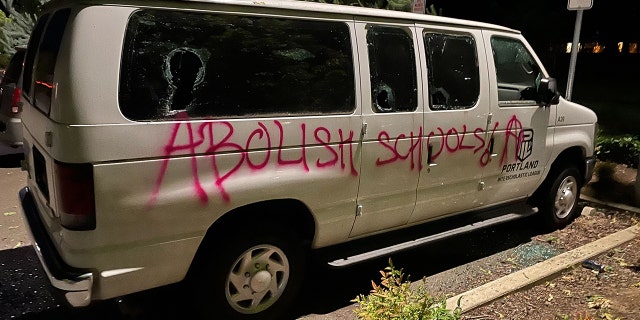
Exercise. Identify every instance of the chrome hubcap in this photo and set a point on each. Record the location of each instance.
(566, 197)
(257, 279)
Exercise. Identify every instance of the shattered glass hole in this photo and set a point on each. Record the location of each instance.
(184, 70)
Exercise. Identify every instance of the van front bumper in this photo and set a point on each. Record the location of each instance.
(74, 284)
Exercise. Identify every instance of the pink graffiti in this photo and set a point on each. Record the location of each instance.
(201, 140)
(452, 141)
(396, 155)
(514, 130)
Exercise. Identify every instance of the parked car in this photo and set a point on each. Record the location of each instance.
(10, 105)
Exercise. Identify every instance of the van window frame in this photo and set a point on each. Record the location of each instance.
(531, 91)
(42, 85)
(386, 88)
(439, 92)
(30, 57)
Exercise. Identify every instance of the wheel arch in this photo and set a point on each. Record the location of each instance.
(572, 156)
(292, 213)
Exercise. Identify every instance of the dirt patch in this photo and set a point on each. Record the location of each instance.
(606, 288)
(613, 183)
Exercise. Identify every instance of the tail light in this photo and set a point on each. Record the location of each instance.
(76, 197)
(16, 104)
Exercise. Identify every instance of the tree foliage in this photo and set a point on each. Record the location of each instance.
(397, 5)
(16, 27)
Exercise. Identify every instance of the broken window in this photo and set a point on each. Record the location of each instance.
(199, 65)
(392, 67)
(452, 69)
(516, 71)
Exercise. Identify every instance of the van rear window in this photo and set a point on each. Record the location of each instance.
(32, 48)
(40, 65)
(200, 65)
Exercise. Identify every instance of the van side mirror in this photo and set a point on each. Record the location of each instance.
(547, 92)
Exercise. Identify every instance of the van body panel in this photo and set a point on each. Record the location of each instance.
(272, 127)
(571, 113)
(580, 136)
(99, 74)
(454, 139)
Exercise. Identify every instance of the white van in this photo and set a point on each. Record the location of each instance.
(220, 142)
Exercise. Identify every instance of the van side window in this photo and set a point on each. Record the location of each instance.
(393, 69)
(516, 71)
(30, 58)
(40, 60)
(45, 62)
(452, 69)
(200, 65)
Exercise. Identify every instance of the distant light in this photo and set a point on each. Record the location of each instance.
(633, 47)
(570, 45)
(597, 48)
(620, 46)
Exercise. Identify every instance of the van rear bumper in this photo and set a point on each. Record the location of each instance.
(75, 284)
(11, 131)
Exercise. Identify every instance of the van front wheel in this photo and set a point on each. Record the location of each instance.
(256, 276)
(560, 205)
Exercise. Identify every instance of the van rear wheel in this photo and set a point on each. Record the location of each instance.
(560, 205)
(257, 275)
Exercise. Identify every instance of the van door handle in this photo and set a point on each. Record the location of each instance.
(429, 155)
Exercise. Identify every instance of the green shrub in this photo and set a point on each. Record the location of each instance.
(394, 299)
(623, 149)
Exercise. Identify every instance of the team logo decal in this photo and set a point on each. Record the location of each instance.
(521, 168)
(526, 145)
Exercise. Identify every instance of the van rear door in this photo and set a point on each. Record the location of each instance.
(38, 92)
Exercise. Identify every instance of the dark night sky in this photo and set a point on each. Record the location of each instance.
(549, 20)
(604, 82)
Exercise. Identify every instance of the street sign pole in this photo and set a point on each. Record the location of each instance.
(580, 6)
(574, 54)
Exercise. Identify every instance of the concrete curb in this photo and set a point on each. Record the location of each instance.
(610, 204)
(518, 280)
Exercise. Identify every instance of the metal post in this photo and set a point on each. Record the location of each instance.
(574, 54)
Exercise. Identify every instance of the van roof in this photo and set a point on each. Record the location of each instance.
(297, 5)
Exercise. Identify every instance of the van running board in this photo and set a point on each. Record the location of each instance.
(435, 237)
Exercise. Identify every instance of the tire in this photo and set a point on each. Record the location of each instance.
(256, 275)
(559, 206)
